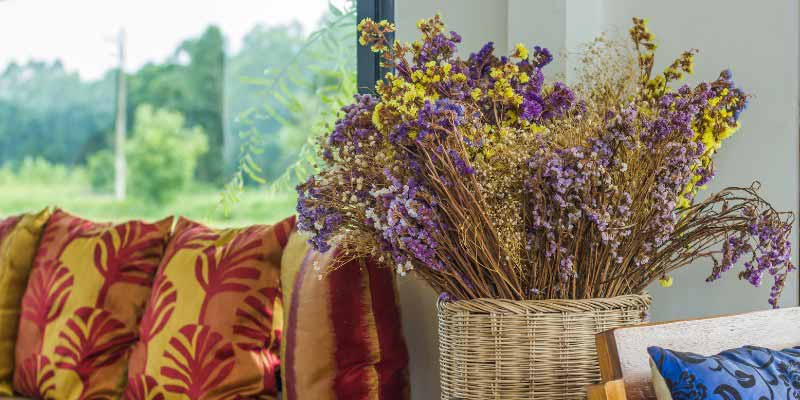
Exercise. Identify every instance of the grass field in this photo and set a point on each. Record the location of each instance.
(198, 203)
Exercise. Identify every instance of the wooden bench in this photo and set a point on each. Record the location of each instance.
(624, 362)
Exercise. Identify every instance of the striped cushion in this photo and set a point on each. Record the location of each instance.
(342, 331)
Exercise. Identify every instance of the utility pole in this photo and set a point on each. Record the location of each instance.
(121, 122)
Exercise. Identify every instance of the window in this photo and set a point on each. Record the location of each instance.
(212, 117)
(369, 70)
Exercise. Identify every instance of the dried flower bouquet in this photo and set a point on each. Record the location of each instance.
(488, 181)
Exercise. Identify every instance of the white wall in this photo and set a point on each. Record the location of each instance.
(757, 40)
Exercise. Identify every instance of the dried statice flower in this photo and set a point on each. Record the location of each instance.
(488, 180)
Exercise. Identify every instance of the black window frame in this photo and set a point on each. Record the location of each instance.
(369, 69)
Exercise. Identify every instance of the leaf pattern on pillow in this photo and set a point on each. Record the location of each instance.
(161, 307)
(200, 361)
(93, 340)
(127, 253)
(257, 335)
(34, 376)
(225, 270)
(48, 291)
(143, 387)
(207, 331)
(81, 309)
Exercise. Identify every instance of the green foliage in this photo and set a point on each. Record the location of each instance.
(191, 83)
(264, 48)
(100, 167)
(39, 170)
(303, 97)
(263, 88)
(206, 75)
(196, 202)
(7, 175)
(48, 112)
(162, 154)
(260, 110)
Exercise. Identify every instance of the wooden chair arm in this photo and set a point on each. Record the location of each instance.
(611, 390)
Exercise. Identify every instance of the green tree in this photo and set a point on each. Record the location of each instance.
(100, 167)
(190, 82)
(206, 76)
(48, 112)
(162, 153)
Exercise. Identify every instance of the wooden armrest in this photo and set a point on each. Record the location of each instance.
(611, 390)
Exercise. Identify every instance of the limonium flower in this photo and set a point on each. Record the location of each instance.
(489, 179)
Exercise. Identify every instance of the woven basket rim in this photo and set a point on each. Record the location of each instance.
(506, 306)
(527, 349)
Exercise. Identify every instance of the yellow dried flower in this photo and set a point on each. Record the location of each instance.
(520, 51)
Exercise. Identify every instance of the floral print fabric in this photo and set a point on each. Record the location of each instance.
(745, 373)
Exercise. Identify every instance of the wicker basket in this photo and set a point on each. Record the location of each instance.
(538, 349)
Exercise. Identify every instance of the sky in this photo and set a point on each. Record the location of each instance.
(82, 33)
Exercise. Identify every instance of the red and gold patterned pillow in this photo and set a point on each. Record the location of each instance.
(7, 224)
(19, 238)
(207, 332)
(342, 334)
(80, 311)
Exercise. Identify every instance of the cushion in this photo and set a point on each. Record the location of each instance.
(342, 330)
(747, 372)
(19, 238)
(659, 384)
(80, 311)
(207, 331)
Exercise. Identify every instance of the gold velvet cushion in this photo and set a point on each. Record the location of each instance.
(19, 238)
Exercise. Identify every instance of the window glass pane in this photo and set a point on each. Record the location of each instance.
(219, 101)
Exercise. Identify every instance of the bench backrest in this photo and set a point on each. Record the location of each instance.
(622, 352)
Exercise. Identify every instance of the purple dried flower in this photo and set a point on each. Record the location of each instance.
(558, 101)
(461, 166)
(541, 56)
(572, 184)
(407, 223)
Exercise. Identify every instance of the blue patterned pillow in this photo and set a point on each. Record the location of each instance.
(745, 373)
